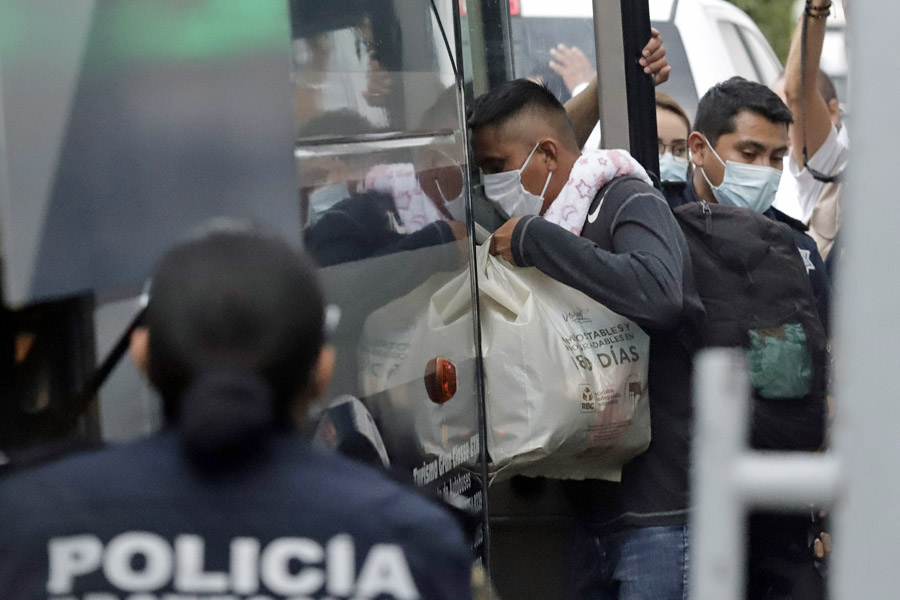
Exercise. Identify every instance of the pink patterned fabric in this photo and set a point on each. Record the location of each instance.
(416, 210)
(590, 173)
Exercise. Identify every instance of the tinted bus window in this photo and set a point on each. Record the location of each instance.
(533, 38)
(380, 151)
(125, 125)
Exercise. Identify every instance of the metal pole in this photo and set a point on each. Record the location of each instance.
(609, 42)
(786, 479)
(477, 47)
(720, 432)
(868, 322)
(729, 479)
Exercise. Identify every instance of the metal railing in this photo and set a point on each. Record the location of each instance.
(729, 479)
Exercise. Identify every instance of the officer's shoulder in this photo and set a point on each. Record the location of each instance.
(80, 468)
(406, 512)
(49, 493)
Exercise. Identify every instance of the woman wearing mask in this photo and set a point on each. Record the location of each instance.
(673, 129)
(227, 501)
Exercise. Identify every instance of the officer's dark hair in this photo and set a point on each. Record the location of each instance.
(512, 99)
(235, 323)
(722, 103)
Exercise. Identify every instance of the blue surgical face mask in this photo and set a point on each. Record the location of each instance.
(506, 190)
(746, 186)
(672, 168)
(324, 197)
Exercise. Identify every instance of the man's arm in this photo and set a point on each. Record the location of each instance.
(584, 109)
(641, 279)
(573, 66)
(815, 124)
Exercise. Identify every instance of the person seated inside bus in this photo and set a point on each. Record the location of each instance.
(368, 224)
(228, 500)
(739, 123)
(593, 221)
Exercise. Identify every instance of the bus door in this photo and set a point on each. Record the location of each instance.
(380, 149)
(531, 522)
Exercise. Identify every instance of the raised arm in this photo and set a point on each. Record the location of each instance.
(813, 126)
(584, 109)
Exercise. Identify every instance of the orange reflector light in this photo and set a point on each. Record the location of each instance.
(440, 380)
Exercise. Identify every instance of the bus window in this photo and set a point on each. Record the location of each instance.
(383, 180)
(118, 141)
(535, 36)
(363, 62)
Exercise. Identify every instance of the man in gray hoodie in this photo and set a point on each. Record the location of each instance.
(631, 256)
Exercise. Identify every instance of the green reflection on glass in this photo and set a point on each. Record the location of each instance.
(13, 20)
(170, 30)
(147, 30)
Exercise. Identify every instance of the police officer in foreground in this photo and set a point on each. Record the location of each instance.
(227, 501)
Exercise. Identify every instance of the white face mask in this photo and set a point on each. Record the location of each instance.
(456, 207)
(323, 198)
(746, 186)
(507, 191)
(672, 168)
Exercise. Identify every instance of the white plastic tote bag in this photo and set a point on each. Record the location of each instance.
(397, 343)
(565, 377)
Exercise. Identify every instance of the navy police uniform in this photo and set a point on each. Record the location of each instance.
(140, 521)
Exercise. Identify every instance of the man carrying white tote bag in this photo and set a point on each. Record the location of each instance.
(620, 245)
(565, 377)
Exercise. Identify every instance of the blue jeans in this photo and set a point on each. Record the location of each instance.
(646, 563)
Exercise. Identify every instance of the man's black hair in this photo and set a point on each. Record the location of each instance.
(722, 103)
(512, 98)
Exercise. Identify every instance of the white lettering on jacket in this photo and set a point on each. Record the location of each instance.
(139, 561)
